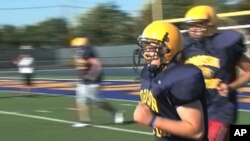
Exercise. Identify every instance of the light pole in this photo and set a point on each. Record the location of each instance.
(156, 6)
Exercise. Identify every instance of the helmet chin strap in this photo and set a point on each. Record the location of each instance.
(155, 69)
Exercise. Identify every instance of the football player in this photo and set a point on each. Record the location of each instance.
(89, 69)
(216, 53)
(26, 67)
(172, 94)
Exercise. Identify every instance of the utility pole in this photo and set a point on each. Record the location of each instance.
(156, 10)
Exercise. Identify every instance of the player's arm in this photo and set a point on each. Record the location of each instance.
(243, 63)
(244, 76)
(191, 125)
(241, 79)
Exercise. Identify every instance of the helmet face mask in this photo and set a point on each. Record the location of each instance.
(197, 23)
(200, 18)
(197, 30)
(159, 43)
(153, 50)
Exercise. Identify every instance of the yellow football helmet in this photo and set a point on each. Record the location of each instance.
(79, 41)
(165, 37)
(80, 62)
(203, 14)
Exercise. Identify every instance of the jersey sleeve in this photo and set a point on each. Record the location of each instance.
(85, 53)
(233, 41)
(188, 89)
(238, 49)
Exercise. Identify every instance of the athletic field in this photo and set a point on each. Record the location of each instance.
(48, 112)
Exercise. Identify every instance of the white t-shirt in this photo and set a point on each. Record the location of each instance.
(25, 65)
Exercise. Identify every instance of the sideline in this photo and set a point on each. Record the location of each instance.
(72, 122)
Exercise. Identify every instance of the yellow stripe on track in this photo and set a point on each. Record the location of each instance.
(244, 99)
(9, 82)
(57, 84)
(244, 89)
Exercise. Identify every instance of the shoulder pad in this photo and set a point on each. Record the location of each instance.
(189, 85)
(227, 38)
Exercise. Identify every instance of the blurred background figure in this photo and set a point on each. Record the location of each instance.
(25, 63)
(89, 71)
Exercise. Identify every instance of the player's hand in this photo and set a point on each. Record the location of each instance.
(143, 114)
(223, 89)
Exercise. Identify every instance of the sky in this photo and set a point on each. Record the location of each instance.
(27, 12)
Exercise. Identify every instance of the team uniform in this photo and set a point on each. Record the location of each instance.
(89, 71)
(86, 89)
(172, 87)
(216, 56)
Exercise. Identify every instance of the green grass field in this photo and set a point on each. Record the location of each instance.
(42, 117)
(39, 117)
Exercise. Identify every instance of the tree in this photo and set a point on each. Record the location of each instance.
(105, 24)
(9, 36)
(30, 35)
(54, 31)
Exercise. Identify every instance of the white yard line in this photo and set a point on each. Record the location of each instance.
(72, 122)
(42, 111)
(242, 110)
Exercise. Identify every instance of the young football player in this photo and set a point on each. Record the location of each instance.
(89, 70)
(216, 53)
(172, 94)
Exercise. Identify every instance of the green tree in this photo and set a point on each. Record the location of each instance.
(54, 31)
(105, 24)
(30, 35)
(9, 36)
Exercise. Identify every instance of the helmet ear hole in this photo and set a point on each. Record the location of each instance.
(167, 49)
(165, 38)
(165, 46)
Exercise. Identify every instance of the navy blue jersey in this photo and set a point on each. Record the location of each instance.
(84, 53)
(174, 86)
(217, 57)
